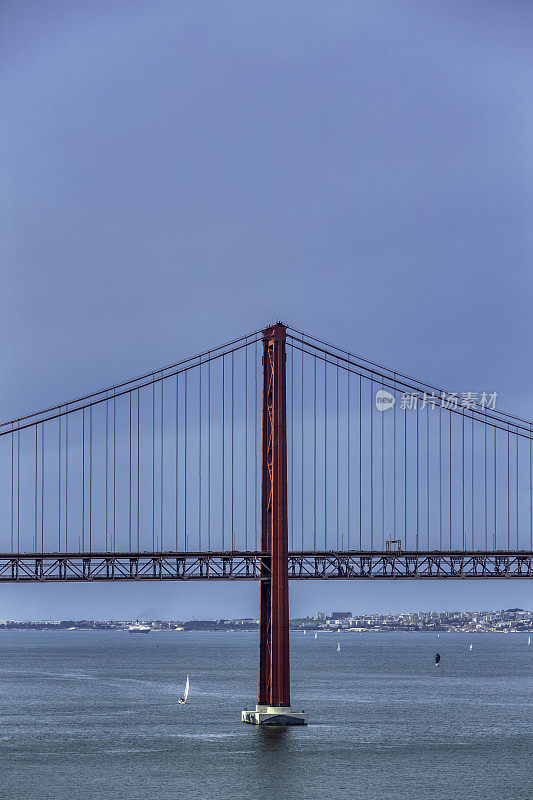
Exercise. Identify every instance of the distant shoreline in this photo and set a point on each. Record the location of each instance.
(36, 629)
(510, 620)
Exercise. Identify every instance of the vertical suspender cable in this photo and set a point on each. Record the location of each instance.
(405, 478)
(90, 477)
(450, 471)
(223, 447)
(106, 469)
(495, 491)
(314, 453)
(427, 475)
(18, 490)
(348, 487)
(12, 484)
(302, 428)
(129, 494)
(161, 466)
(138, 469)
(508, 488)
(177, 454)
(35, 497)
(337, 457)
(246, 444)
(292, 449)
(209, 452)
(42, 487)
(485, 477)
(185, 531)
(114, 472)
(517, 484)
(463, 474)
(372, 464)
(232, 449)
(59, 482)
(256, 474)
(394, 422)
(83, 480)
(325, 456)
(472, 476)
(66, 479)
(417, 476)
(382, 478)
(200, 455)
(153, 465)
(440, 478)
(530, 487)
(360, 466)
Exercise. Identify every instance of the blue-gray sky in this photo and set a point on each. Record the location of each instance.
(176, 173)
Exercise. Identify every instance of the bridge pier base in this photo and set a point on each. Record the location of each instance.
(274, 715)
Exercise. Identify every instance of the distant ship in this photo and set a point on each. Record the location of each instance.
(138, 628)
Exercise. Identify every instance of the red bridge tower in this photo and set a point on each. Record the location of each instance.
(274, 704)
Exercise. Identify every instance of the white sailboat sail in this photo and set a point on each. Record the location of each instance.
(185, 696)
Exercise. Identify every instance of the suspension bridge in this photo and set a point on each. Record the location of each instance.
(273, 457)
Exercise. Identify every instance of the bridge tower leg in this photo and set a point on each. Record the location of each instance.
(274, 704)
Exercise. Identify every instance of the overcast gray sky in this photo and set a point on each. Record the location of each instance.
(176, 173)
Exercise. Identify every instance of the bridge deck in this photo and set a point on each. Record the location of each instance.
(246, 565)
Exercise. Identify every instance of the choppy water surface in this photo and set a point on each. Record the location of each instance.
(94, 715)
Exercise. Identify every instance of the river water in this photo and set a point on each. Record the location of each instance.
(94, 715)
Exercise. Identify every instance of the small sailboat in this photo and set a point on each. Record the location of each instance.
(316, 635)
(470, 647)
(305, 632)
(529, 640)
(338, 647)
(437, 659)
(183, 699)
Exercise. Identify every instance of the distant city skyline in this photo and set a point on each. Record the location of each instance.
(505, 621)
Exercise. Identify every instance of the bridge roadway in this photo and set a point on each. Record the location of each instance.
(253, 565)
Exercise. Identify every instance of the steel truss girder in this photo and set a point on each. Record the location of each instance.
(360, 565)
(61, 567)
(253, 565)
